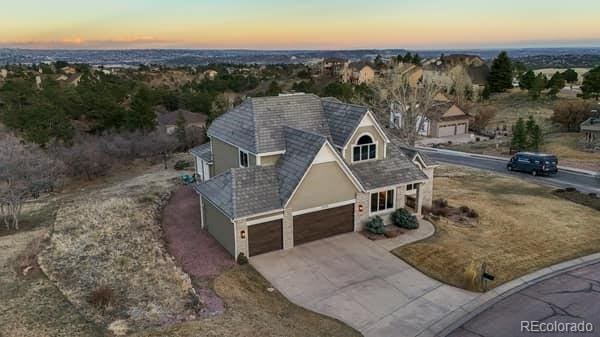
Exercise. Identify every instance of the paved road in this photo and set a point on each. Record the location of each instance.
(563, 179)
(572, 297)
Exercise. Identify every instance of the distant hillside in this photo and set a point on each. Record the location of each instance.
(538, 57)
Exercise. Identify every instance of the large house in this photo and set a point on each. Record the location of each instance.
(282, 171)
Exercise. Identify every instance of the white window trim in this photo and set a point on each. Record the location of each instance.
(387, 210)
(356, 145)
(240, 158)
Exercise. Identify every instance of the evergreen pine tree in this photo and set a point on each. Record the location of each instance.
(500, 78)
(519, 137)
(526, 80)
(533, 134)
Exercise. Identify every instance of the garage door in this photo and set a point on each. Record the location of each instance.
(446, 131)
(265, 237)
(322, 224)
(461, 129)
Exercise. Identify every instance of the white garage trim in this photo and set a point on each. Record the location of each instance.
(262, 220)
(324, 207)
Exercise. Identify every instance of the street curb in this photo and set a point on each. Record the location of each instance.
(484, 156)
(457, 318)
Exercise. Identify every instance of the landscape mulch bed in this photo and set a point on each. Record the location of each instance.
(194, 249)
(591, 200)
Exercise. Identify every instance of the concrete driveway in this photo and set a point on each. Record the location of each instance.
(360, 283)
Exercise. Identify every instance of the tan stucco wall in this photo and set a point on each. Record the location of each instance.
(219, 226)
(359, 132)
(324, 184)
(226, 156)
(269, 160)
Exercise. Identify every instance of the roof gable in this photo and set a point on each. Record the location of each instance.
(454, 111)
(301, 149)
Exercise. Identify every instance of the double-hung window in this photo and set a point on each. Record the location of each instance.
(243, 159)
(382, 201)
(365, 149)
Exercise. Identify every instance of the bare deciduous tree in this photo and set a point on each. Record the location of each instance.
(461, 85)
(394, 96)
(25, 171)
(483, 117)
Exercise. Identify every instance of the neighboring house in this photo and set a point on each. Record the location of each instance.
(412, 72)
(359, 73)
(591, 130)
(168, 120)
(3, 73)
(286, 170)
(69, 70)
(440, 71)
(210, 74)
(334, 67)
(445, 119)
(69, 80)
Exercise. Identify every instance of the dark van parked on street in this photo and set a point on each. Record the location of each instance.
(534, 163)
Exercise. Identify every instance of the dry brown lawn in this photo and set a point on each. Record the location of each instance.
(31, 305)
(522, 227)
(252, 310)
(107, 235)
(566, 146)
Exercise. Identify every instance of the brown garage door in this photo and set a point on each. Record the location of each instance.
(318, 225)
(265, 237)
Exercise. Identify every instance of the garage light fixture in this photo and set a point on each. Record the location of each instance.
(243, 234)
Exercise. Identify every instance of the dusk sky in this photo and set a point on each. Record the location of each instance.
(305, 24)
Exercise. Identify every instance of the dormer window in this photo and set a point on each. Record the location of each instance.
(243, 159)
(365, 149)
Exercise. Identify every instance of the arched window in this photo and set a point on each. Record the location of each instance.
(366, 139)
(365, 149)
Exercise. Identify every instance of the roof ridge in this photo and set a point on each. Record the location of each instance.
(305, 131)
(256, 142)
(233, 192)
(344, 103)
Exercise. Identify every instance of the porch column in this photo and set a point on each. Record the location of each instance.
(201, 213)
(241, 243)
(419, 200)
(288, 229)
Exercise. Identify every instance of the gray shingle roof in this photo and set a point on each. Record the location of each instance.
(257, 125)
(219, 190)
(343, 119)
(301, 149)
(256, 190)
(237, 126)
(395, 170)
(203, 151)
(411, 153)
(241, 192)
